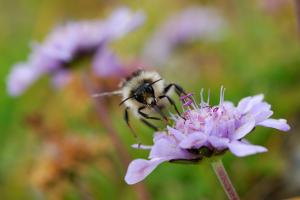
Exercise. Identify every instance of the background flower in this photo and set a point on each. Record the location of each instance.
(187, 26)
(67, 43)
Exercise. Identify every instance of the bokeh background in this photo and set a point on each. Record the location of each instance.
(53, 145)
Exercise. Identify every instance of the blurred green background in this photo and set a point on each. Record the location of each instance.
(260, 53)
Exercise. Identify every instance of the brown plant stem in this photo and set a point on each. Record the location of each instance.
(225, 180)
(297, 10)
(105, 120)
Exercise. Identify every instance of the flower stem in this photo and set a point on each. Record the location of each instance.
(297, 9)
(105, 120)
(83, 191)
(224, 180)
(121, 150)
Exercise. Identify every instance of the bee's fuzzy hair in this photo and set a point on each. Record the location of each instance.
(136, 80)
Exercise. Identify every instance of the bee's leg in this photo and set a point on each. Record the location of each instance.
(126, 118)
(171, 102)
(159, 111)
(145, 115)
(178, 89)
(149, 124)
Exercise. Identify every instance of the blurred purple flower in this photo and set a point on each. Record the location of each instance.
(214, 129)
(68, 43)
(61, 78)
(20, 78)
(106, 63)
(195, 23)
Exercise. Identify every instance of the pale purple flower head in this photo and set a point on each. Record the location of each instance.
(204, 131)
(106, 63)
(191, 24)
(20, 78)
(68, 43)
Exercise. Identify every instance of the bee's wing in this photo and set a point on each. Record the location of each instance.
(117, 92)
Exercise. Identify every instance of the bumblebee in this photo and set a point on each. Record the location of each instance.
(145, 92)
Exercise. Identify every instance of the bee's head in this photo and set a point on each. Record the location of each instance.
(145, 94)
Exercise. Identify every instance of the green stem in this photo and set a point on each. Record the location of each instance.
(82, 190)
(225, 180)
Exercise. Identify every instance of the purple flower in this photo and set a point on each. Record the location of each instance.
(106, 63)
(68, 43)
(20, 78)
(204, 131)
(195, 23)
(61, 78)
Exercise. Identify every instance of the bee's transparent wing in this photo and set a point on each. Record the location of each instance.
(117, 92)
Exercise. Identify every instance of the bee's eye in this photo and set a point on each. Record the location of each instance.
(149, 89)
(139, 98)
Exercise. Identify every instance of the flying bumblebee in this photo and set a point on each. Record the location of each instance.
(144, 93)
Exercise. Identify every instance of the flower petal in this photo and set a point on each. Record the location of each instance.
(259, 107)
(259, 117)
(106, 63)
(139, 169)
(22, 76)
(178, 134)
(242, 149)
(159, 135)
(246, 104)
(193, 140)
(123, 21)
(243, 103)
(261, 111)
(244, 129)
(228, 105)
(166, 147)
(218, 142)
(279, 124)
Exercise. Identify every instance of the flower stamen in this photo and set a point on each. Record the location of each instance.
(187, 100)
(222, 94)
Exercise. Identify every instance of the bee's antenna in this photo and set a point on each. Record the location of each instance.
(125, 100)
(118, 92)
(156, 81)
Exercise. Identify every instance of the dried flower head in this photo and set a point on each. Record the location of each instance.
(68, 43)
(64, 157)
(205, 130)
